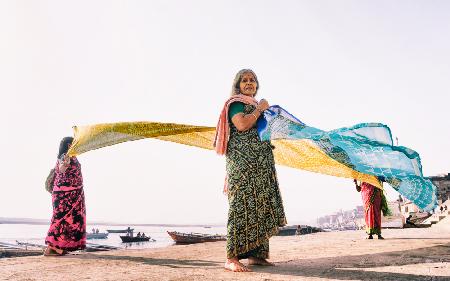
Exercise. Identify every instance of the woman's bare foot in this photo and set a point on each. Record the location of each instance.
(50, 251)
(47, 251)
(59, 251)
(235, 266)
(259, 261)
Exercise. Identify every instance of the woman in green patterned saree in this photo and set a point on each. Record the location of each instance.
(255, 205)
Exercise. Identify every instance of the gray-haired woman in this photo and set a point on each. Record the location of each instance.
(255, 205)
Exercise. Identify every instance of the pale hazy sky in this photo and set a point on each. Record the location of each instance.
(330, 63)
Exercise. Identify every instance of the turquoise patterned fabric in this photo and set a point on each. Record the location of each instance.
(367, 148)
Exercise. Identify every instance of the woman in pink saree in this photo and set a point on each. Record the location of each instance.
(68, 225)
(374, 203)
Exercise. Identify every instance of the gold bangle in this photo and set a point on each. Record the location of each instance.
(256, 118)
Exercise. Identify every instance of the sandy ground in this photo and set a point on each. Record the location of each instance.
(405, 254)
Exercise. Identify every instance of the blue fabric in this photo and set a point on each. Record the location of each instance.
(367, 148)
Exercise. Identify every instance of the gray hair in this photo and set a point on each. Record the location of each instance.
(235, 89)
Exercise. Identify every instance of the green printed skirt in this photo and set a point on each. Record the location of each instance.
(255, 205)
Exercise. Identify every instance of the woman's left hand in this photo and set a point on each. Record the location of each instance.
(64, 163)
(262, 105)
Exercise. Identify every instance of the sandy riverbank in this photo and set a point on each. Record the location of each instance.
(406, 254)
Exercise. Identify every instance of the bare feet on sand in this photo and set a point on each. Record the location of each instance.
(235, 266)
(50, 251)
(258, 261)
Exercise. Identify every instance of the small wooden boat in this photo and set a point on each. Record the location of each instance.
(100, 235)
(5, 245)
(191, 238)
(297, 230)
(129, 239)
(120, 230)
(8, 250)
(90, 247)
(287, 230)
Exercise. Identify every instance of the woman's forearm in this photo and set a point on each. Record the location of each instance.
(244, 122)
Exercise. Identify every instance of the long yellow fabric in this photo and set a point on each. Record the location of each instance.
(299, 154)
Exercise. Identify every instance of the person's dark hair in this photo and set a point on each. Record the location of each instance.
(64, 146)
(235, 90)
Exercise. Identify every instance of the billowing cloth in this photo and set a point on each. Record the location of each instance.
(367, 148)
(88, 138)
(255, 206)
(223, 125)
(362, 152)
(298, 154)
(68, 225)
(372, 198)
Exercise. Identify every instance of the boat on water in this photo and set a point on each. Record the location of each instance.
(297, 230)
(130, 239)
(191, 238)
(120, 230)
(287, 230)
(90, 247)
(100, 235)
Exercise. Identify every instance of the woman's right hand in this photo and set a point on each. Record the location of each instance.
(66, 159)
(262, 105)
(358, 187)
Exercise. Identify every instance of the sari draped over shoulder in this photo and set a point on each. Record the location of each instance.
(68, 224)
(255, 205)
(223, 125)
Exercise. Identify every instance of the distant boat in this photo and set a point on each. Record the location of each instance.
(191, 238)
(90, 247)
(287, 230)
(129, 239)
(100, 235)
(119, 230)
(296, 230)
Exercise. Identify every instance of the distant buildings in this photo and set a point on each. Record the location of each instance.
(354, 219)
(408, 207)
(443, 184)
(401, 209)
(350, 219)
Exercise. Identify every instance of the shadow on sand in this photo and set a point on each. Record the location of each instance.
(172, 263)
(337, 268)
(352, 267)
